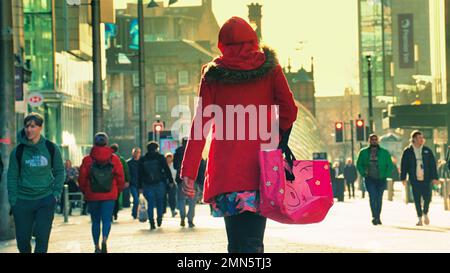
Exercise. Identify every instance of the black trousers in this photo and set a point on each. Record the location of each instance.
(34, 217)
(421, 189)
(351, 189)
(245, 233)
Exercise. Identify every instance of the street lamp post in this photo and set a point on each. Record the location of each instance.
(142, 108)
(369, 83)
(96, 59)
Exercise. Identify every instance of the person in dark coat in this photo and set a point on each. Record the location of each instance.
(154, 174)
(247, 76)
(419, 164)
(133, 167)
(350, 176)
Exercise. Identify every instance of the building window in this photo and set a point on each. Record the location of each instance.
(183, 78)
(161, 104)
(136, 104)
(135, 80)
(183, 100)
(160, 78)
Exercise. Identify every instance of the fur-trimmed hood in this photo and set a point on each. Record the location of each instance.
(212, 72)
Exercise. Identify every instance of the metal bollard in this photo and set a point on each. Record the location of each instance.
(446, 191)
(66, 203)
(390, 189)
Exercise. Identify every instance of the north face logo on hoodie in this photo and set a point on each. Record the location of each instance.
(37, 161)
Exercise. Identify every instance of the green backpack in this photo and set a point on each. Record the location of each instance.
(102, 176)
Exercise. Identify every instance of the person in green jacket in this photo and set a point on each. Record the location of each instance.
(119, 201)
(35, 181)
(375, 165)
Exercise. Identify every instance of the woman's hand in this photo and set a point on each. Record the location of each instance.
(188, 187)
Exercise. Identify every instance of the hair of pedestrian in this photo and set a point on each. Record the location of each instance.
(372, 135)
(152, 146)
(115, 147)
(36, 117)
(184, 141)
(414, 134)
(101, 139)
(169, 155)
(135, 149)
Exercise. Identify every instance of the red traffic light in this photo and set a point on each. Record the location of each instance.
(339, 125)
(158, 127)
(360, 123)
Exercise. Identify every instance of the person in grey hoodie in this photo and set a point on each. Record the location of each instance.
(35, 181)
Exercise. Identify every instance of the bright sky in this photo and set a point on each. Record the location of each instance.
(327, 28)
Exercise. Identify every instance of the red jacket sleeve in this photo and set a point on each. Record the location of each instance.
(284, 98)
(83, 179)
(119, 176)
(197, 139)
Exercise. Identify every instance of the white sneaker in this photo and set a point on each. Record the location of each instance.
(426, 219)
(420, 222)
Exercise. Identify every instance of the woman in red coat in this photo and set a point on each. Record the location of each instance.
(249, 79)
(100, 201)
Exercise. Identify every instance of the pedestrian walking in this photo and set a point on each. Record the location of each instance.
(133, 167)
(350, 176)
(123, 196)
(249, 76)
(374, 164)
(101, 180)
(419, 165)
(183, 198)
(171, 193)
(35, 182)
(154, 174)
(72, 182)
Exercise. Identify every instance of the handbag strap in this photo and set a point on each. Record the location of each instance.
(289, 155)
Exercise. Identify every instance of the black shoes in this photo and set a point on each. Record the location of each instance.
(152, 225)
(182, 223)
(104, 248)
(159, 222)
(191, 224)
(376, 221)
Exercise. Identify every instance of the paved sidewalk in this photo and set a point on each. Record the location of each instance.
(347, 228)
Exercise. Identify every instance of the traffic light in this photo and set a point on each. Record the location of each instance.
(339, 131)
(360, 128)
(158, 127)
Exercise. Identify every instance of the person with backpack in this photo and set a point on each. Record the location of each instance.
(101, 180)
(247, 75)
(35, 182)
(123, 197)
(154, 174)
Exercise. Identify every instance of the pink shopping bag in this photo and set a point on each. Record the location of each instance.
(304, 200)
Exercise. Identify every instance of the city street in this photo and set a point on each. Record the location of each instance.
(347, 228)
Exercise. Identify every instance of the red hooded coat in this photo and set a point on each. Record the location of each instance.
(242, 76)
(101, 155)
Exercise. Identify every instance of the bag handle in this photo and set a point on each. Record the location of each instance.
(289, 155)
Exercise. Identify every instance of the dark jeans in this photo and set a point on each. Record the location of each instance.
(34, 217)
(126, 198)
(421, 190)
(101, 211)
(376, 188)
(245, 233)
(170, 198)
(155, 198)
(351, 189)
(182, 198)
(135, 194)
